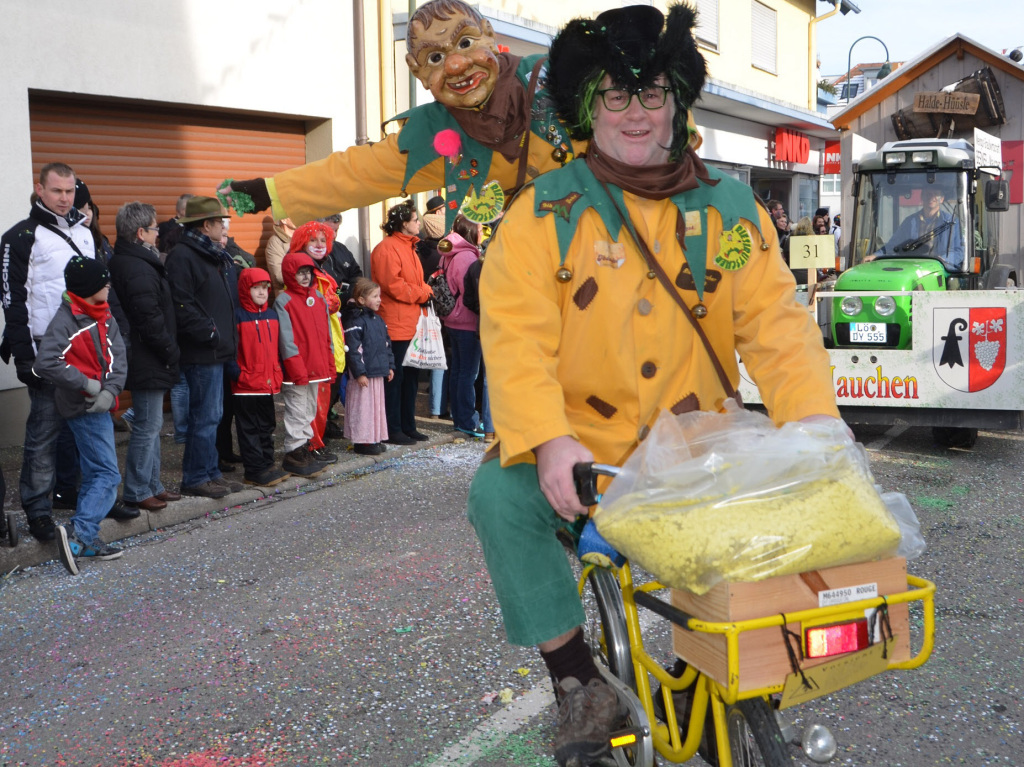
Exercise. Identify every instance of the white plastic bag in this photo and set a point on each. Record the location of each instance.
(728, 496)
(426, 350)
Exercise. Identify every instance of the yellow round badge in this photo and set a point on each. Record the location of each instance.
(734, 248)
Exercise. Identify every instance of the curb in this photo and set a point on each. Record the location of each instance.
(29, 552)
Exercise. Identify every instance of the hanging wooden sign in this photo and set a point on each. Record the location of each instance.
(947, 103)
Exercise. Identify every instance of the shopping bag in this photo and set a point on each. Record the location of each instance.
(728, 496)
(426, 350)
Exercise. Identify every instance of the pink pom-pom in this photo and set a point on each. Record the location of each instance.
(448, 143)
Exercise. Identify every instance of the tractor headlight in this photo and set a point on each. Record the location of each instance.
(852, 305)
(884, 306)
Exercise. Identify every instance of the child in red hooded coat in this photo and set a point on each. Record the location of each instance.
(315, 239)
(307, 354)
(256, 378)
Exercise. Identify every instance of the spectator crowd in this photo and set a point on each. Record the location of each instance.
(178, 312)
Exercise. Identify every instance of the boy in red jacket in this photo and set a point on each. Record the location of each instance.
(82, 354)
(308, 357)
(256, 378)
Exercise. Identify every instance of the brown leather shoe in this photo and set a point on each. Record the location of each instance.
(150, 504)
(168, 495)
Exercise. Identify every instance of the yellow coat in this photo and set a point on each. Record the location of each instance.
(366, 174)
(600, 356)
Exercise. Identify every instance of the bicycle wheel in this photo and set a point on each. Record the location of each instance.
(754, 735)
(605, 632)
(608, 635)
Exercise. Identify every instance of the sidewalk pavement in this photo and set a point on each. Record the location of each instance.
(30, 552)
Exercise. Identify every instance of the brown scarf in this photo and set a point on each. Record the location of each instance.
(499, 122)
(654, 182)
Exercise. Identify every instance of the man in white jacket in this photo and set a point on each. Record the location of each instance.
(35, 252)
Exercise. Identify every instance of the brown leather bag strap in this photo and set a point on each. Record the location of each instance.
(524, 148)
(665, 280)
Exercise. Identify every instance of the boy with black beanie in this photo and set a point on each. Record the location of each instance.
(82, 355)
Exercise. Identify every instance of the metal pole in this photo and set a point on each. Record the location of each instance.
(849, 56)
(359, 36)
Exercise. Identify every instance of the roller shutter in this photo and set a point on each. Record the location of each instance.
(133, 152)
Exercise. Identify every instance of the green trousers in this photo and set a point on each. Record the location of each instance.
(529, 567)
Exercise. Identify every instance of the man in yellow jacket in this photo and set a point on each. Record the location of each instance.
(585, 345)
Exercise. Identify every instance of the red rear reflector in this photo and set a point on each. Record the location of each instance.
(823, 641)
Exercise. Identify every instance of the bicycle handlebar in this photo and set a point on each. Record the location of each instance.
(584, 476)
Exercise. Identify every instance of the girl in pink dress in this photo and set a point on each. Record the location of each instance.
(369, 362)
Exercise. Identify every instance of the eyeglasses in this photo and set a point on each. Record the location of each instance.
(619, 99)
(150, 228)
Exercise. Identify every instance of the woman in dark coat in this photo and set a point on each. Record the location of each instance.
(138, 276)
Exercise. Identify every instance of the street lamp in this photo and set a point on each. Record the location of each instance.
(884, 72)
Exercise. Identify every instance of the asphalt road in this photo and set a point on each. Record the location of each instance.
(356, 625)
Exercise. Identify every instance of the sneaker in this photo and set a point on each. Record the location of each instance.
(65, 499)
(206, 490)
(400, 439)
(300, 462)
(42, 528)
(322, 455)
(70, 547)
(333, 431)
(267, 477)
(586, 717)
(365, 449)
(224, 467)
(381, 448)
(476, 432)
(230, 484)
(417, 435)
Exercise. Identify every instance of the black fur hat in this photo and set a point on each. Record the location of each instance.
(631, 46)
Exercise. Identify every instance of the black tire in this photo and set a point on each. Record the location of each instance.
(754, 735)
(954, 436)
(610, 636)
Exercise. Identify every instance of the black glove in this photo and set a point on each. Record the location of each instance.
(23, 369)
(255, 188)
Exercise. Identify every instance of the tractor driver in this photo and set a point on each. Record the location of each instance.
(930, 231)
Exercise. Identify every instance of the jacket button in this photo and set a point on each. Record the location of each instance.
(644, 307)
(648, 369)
(641, 435)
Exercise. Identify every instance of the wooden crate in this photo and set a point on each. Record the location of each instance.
(763, 658)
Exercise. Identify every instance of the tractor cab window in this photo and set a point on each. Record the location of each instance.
(913, 215)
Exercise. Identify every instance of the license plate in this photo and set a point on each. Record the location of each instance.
(867, 333)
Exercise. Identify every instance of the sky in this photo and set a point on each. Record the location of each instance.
(910, 27)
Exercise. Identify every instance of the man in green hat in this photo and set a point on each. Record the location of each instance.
(204, 287)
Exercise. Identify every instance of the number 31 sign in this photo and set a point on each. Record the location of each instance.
(817, 251)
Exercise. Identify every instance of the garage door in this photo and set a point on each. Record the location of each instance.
(127, 152)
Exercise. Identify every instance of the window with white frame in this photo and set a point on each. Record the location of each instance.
(830, 184)
(707, 23)
(764, 37)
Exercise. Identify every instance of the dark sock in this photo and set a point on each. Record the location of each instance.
(572, 659)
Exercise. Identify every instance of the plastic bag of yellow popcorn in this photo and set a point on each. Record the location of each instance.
(729, 496)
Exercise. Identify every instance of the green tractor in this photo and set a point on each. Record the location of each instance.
(924, 219)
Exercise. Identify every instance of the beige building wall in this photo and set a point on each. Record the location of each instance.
(292, 58)
(732, 64)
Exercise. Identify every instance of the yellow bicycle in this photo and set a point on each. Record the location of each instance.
(829, 648)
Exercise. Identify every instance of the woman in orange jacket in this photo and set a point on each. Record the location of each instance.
(397, 269)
